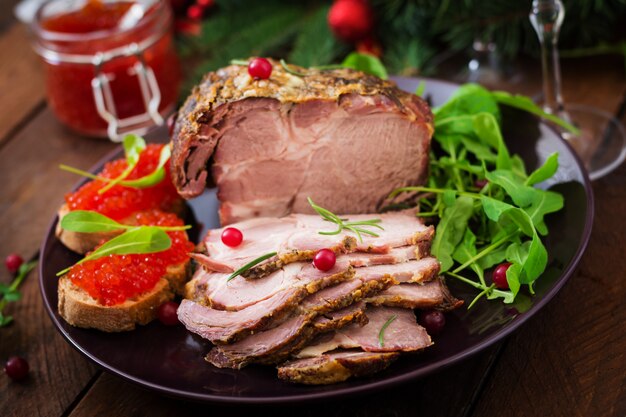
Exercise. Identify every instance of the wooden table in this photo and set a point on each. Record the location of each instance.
(569, 360)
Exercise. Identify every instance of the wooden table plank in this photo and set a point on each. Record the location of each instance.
(21, 80)
(32, 190)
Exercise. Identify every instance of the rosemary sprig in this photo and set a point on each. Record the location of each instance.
(250, 265)
(381, 334)
(287, 68)
(357, 227)
(239, 62)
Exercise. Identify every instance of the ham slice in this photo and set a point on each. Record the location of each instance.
(335, 367)
(432, 294)
(296, 238)
(214, 289)
(275, 345)
(402, 334)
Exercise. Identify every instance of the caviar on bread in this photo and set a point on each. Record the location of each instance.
(116, 292)
(119, 202)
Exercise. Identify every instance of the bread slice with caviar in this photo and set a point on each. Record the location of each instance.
(157, 193)
(86, 242)
(80, 309)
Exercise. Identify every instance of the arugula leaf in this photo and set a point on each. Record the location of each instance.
(547, 170)
(521, 194)
(133, 146)
(526, 104)
(467, 101)
(493, 258)
(86, 221)
(545, 203)
(466, 250)
(132, 151)
(143, 239)
(528, 264)
(450, 230)
(156, 176)
(487, 128)
(419, 91)
(366, 63)
(482, 152)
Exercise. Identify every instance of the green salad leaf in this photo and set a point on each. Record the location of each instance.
(86, 221)
(142, 239)
(366, 63)
(481, 197)
(133, 146)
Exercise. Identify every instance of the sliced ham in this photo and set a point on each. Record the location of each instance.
(335, 367)
(296, 238)
(275, 345)
(221, 326)
(215, 290)
(402, 334)
(432, 294)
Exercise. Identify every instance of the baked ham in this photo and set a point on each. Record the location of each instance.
(221, 327)
(341, 137)
(335, 367)
(402, 334)
(297, 238)
(217, 291)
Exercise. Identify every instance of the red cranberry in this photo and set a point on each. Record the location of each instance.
(433, 321)
(16, 368)
(167, 313)
(195, 12)
(480, 183)
(232, 237)
(260, 68)
(324, 260)
(13, 262)
(499, 276)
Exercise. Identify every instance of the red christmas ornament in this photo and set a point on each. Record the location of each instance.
(351, 20)
(195, 12)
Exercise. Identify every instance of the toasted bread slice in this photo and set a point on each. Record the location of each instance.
(86, 242)
(81, 310)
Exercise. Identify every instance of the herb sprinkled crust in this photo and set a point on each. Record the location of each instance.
(233, 83)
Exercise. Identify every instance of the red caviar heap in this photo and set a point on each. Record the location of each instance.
(114, 279)
(119, 202)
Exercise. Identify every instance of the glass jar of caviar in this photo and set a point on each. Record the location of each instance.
(110, 65)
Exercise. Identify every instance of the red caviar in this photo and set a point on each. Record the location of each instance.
(115, 278)
(119, 202)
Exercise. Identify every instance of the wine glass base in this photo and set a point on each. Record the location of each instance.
(601, 144)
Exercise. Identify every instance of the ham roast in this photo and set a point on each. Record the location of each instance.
(341, 137)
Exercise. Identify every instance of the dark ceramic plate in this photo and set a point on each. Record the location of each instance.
(169, 359)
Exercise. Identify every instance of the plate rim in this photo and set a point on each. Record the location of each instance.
(348, 391)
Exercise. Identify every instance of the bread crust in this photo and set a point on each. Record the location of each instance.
(79, 309)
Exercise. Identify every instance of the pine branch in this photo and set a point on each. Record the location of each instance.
(315, 44)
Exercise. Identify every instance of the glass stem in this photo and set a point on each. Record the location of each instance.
(546, 17)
